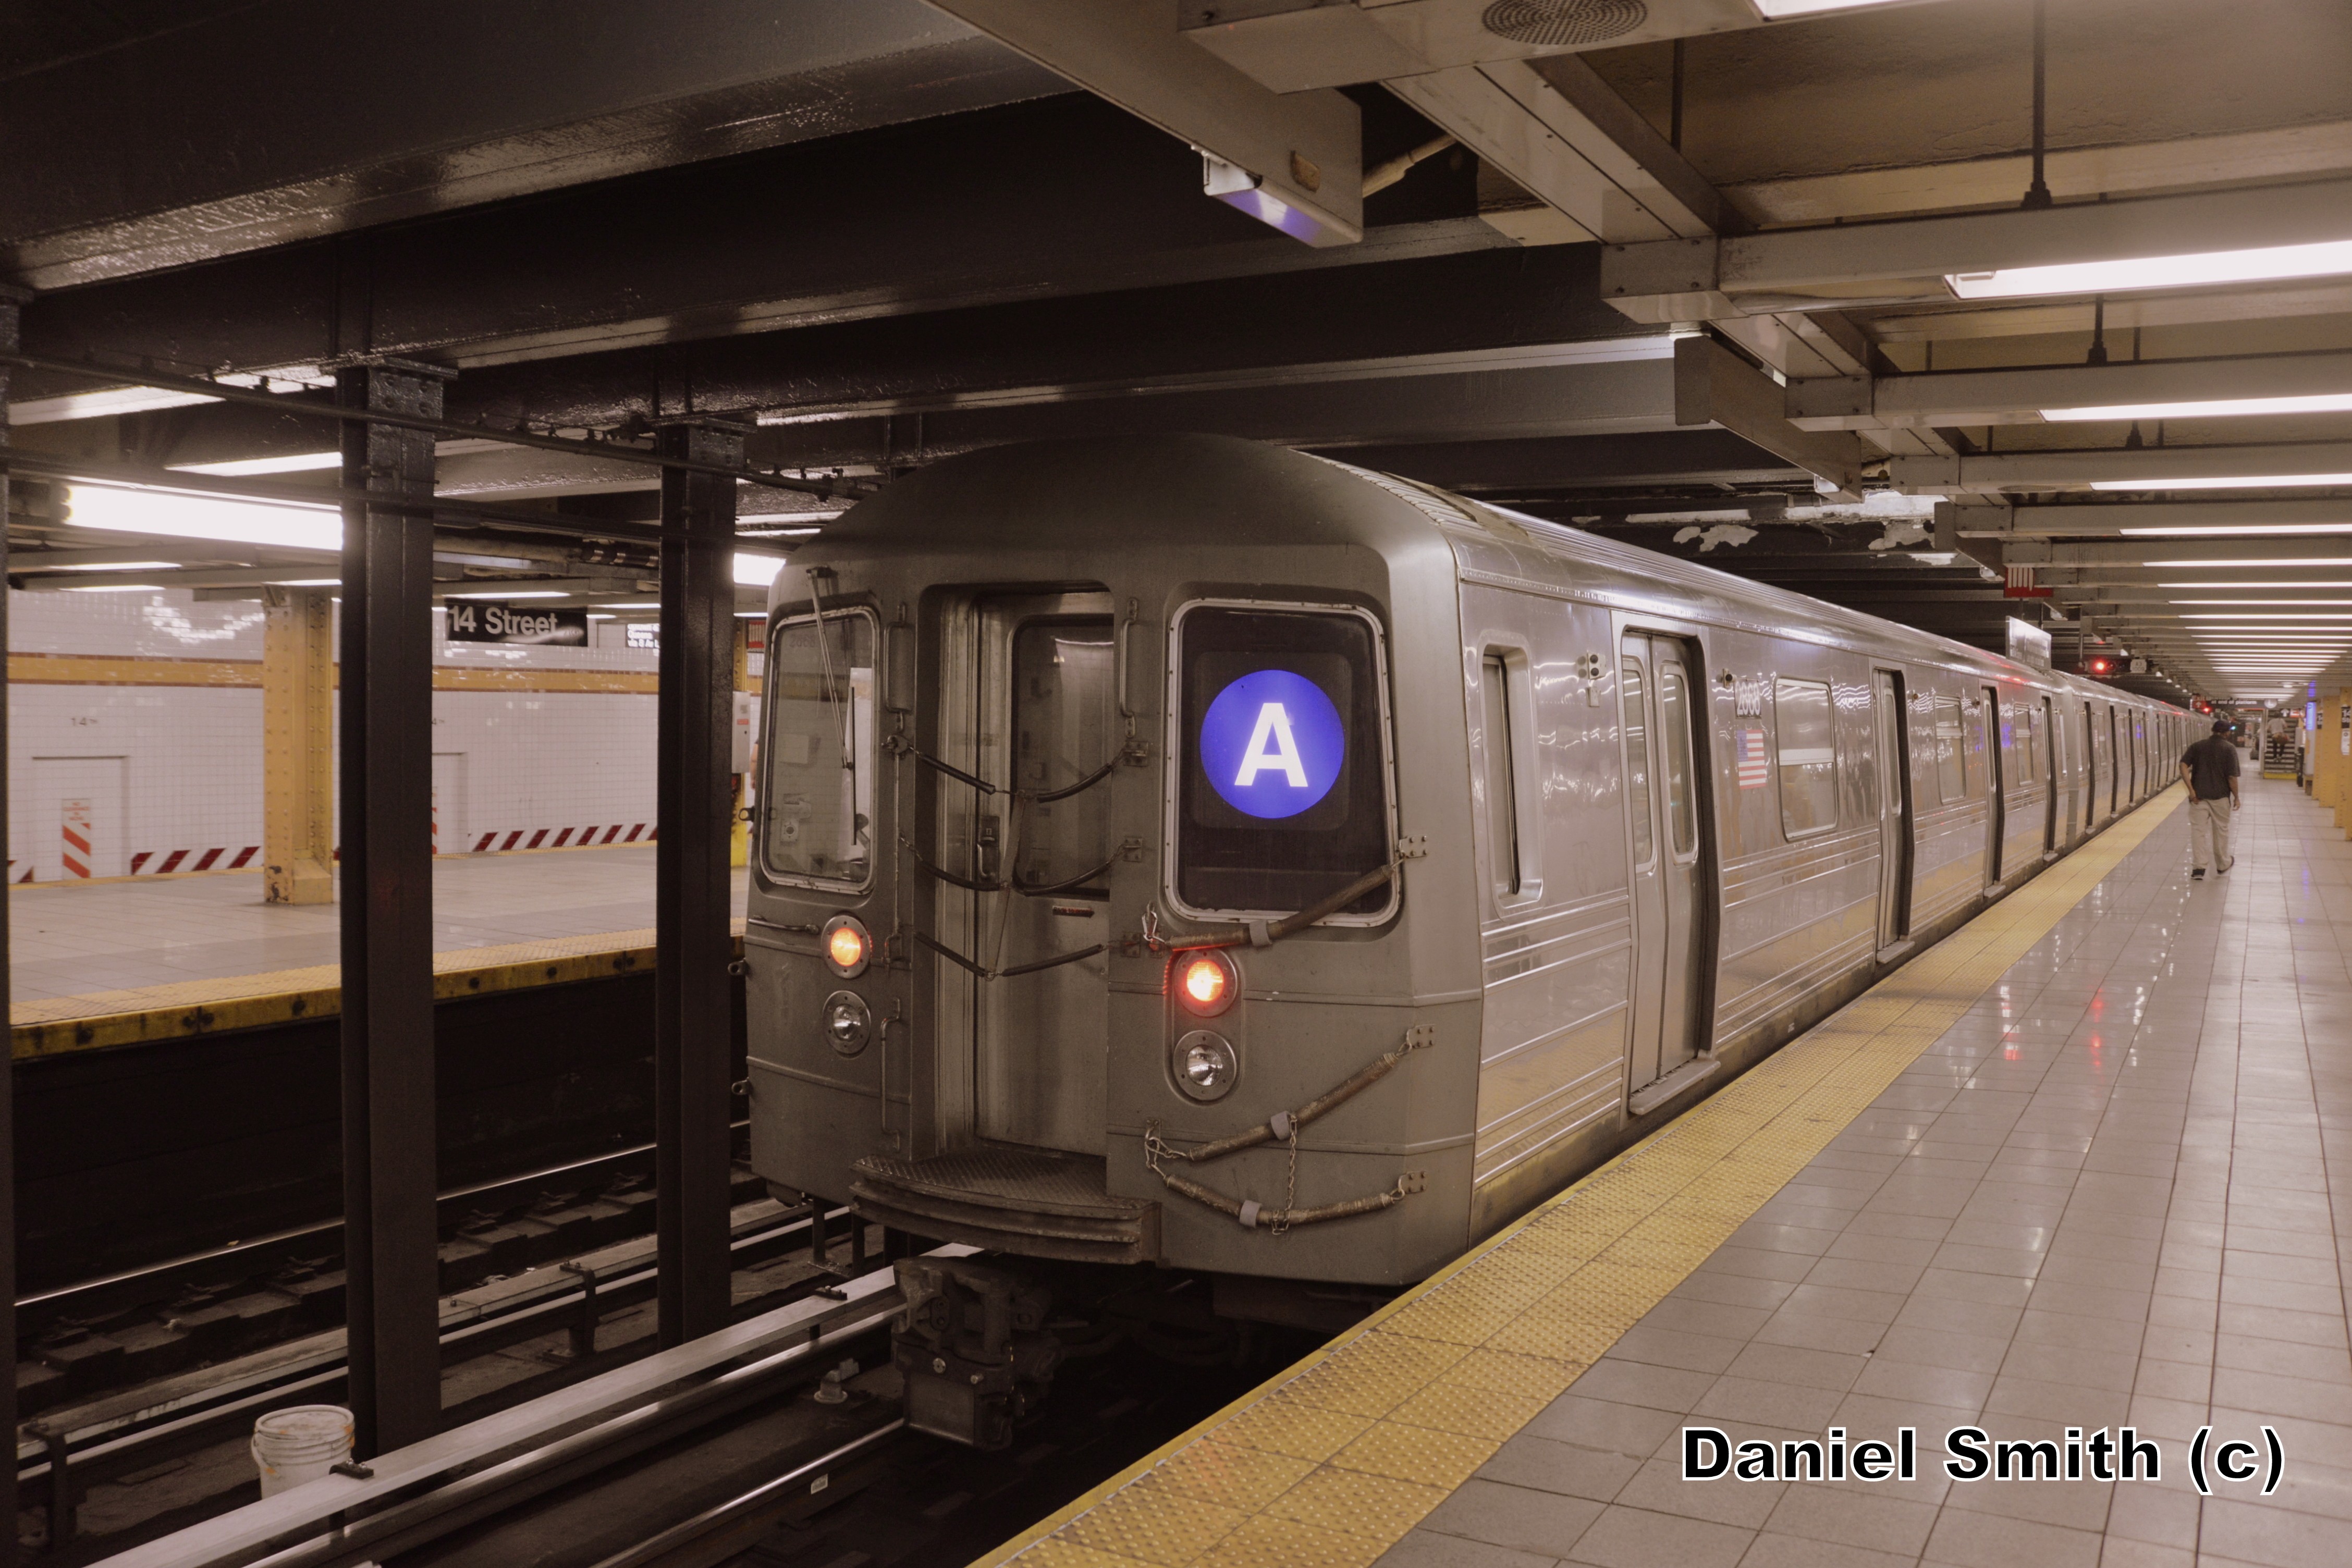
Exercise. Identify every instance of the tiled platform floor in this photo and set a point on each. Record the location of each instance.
(2119, 1190)
(68, 941)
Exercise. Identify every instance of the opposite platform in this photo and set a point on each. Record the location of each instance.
(2067, 1168)
(115, 962)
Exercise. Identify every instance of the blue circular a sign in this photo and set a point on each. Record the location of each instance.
(1272, 744)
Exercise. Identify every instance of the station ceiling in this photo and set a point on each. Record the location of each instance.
(1779, 285)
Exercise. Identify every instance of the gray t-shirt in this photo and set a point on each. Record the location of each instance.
(2211, 762)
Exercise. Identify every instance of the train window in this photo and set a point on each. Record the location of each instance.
(2025, 723)
(1502, 797)
(1674, 721)
(1634, 702)
(1801, 711)
(817, 797)
(1973, 764)
(1951, 770)
(1283, 797)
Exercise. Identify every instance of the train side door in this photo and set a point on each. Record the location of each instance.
(1047, 718)
(1987, 738)
(2049, 773)
(1662, 812)
(1893, 754)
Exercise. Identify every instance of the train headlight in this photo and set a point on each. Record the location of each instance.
(848, 1022)
(1206, 982)
(847, 945)
(1206, 1067)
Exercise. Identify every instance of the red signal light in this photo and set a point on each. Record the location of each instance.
(1206, 982)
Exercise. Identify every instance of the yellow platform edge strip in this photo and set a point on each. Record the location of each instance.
(60, 1025)
(1329, 1462)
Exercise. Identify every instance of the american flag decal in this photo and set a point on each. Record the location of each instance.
(1755, 768)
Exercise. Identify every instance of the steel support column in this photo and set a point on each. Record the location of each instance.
(693, 1016)
(390, 1180)
(298, 756)
(11, 300)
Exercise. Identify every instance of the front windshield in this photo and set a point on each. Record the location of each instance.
(817, 797)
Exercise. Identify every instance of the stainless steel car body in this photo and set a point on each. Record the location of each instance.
(1650, 822)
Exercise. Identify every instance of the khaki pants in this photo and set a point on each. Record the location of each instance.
(2209, 822)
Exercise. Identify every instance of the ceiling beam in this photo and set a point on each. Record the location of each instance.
(1714, 386)
(2020, 396)
(2330, 551)
(1699, 280)
(2021, 520)
(1292, 159)
(2148, 466)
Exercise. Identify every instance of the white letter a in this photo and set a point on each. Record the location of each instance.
(1272, 746)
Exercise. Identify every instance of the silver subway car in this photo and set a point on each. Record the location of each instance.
(1190, 851)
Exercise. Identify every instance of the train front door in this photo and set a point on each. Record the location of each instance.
(1894, 767)
(1047, 718)
(1661, 806)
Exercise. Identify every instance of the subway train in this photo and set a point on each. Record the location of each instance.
(1186, 851)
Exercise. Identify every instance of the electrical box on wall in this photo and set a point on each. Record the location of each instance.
(747, 715)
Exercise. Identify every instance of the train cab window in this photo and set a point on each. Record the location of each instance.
(1951, 768)
(1802, 712)
(816, 799)
(1283, 789)
(1502, 795)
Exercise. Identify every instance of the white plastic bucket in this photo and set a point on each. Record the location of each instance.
(299, 1443)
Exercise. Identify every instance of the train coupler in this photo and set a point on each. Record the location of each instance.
(972, 1347)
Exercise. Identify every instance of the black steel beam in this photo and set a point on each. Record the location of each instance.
(1066, 196)
(695, 720)
(390, 1175)
(11, 302)
(216, 134)
(1470, 311)
(1514, 469)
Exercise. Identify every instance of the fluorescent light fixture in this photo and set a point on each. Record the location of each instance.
(750, 615)
(290, 463)
(2342, 602)
(117, 588)
(2214, 409)
(2230, 483)
(27, 563)
(99, 404)
(540, 593)
(2192, 271)
(2255, 582)
(306, 582)
(756, 571)
(652, 606)
(2254, 615)
(125, 510)
(2227, 560)
(1781, 10)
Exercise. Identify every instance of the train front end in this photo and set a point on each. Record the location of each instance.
(1090, 917)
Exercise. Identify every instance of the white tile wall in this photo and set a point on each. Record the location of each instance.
(532, 761)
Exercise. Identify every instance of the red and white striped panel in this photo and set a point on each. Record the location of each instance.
(563, 838)
(170, 860)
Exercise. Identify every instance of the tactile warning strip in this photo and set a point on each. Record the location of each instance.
(56, 1024)
(1330, 1462)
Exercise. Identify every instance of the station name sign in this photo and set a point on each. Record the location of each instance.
(491, 620)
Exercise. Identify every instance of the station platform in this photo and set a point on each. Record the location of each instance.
(2083, 1165)
(133, 958)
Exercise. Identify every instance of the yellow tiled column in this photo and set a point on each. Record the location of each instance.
(298, 749)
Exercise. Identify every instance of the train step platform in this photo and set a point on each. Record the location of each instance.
(2082, 1167)
(141, 958)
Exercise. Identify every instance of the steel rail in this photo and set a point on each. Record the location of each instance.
(401, 1499)
(655, 1547)
(282, 403)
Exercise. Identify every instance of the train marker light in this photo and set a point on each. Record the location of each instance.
(847, 947)
(1206, 1067)
(848, 1022)
(1206, 982)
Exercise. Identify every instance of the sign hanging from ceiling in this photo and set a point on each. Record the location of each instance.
(495, 620)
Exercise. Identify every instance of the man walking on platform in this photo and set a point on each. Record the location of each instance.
(2210, 769)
